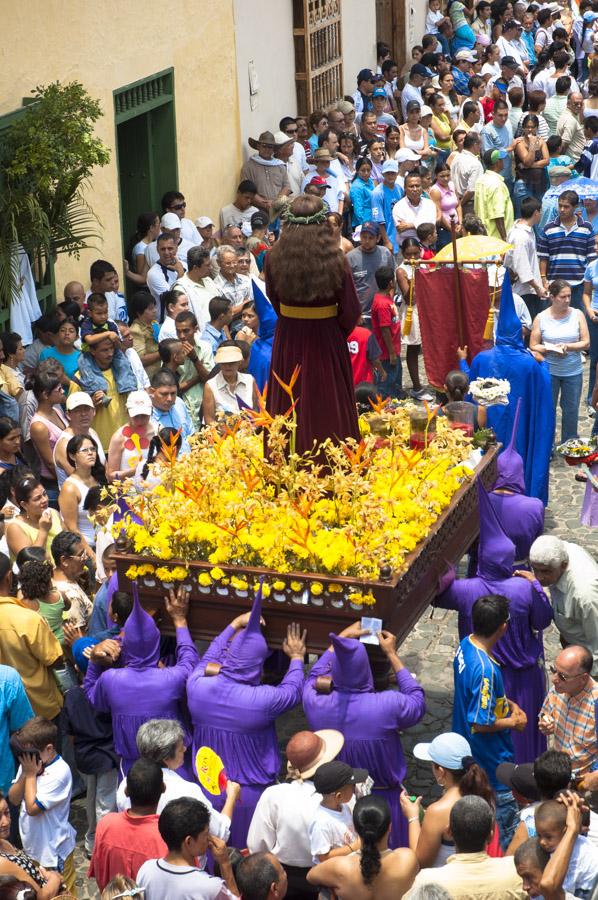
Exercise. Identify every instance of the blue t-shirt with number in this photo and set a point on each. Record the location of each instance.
(480, 700)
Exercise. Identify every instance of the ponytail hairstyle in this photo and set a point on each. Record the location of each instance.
(358, 164)
(473, 781)
(457, 385)
(371, 817)
(164, 438)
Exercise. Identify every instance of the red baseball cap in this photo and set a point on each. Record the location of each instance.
(318, 181)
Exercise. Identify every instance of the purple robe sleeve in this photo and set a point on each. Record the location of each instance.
(322, 667)
(187, 656)
(94, 688)
(451, 598)
(217, 649)
(409, 701)
(541, 611)
(288, 693)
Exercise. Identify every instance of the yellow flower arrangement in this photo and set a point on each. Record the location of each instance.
(134, 572)
(204, 579)
(361, 599)
(228, 504)
(240, 584)
(177, 573)
(335, 588)
(316, 588)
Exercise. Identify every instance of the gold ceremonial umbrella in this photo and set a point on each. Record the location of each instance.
(472, 248)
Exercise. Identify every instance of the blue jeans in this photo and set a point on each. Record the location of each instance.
(394, 379)
(577, 296)
(93, 380)
(521, 190)
(569, 387)
(507, 817)
(593, 329)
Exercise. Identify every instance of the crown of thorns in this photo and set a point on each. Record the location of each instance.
(317, 218)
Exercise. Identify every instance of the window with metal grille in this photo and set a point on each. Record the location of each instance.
(318, 53)
(143, 95)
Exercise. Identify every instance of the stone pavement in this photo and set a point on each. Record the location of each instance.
(428, 653)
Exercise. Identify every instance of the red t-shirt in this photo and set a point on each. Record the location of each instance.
(386, 315)
(363, 350)
(488, 107)
(428, 253)
(122, 844)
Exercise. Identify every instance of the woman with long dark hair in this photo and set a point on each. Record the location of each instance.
(82, 454)
(148, 229)
(311, 288)
(374, 871)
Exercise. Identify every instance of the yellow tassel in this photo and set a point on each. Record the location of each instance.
(489, 329)
(408, 321)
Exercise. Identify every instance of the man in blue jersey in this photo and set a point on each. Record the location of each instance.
(384, 197)
(481, 712)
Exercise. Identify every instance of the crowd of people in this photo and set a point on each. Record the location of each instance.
(314, 263)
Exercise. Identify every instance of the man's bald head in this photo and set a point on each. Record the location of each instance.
(74, 292)
(572, 670)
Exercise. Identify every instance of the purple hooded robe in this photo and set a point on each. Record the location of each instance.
(370, 721)
(139, 690)
(521, 517)
(520, 651)
(234, 715)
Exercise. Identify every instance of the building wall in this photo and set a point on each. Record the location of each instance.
(68, 40)
(264, 38)
(415, 17)
(359, 39)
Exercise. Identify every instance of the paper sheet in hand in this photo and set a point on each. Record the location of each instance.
(374, 626)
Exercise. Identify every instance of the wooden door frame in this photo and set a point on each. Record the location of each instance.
(395, 31)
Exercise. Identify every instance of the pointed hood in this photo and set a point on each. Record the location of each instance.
(248, 649)
(496, 552)
(141, 638)
(261, 350)
(350, 666)
(265, 311)
(508, 331)
(510, 471)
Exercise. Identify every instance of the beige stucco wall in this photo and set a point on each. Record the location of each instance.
(110, 44)
(359, 39)
(264, 37)
(415, 18)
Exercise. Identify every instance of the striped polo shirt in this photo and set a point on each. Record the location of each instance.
(568, 251)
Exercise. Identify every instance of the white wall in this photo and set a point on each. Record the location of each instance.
(264, 35)
(359, 39)
(415, 19)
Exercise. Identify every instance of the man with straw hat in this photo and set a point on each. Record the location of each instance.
(282, 817)
(267, 173)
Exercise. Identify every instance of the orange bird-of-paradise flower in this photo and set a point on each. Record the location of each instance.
(358, 458)
(379, 404)
(169, 449)
(190, 490)
(288, 388)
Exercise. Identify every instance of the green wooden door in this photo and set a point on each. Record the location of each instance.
(133, 173)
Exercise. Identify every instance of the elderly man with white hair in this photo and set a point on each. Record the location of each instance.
(572, 576)
(229, 284)
(162, 740)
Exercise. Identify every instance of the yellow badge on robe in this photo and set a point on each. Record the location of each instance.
(210, 771)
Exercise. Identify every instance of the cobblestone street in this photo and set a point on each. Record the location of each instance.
(428, 652)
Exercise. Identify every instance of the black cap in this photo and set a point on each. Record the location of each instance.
(332, 776)
(519, 778)
(259, 218)
(510, 62)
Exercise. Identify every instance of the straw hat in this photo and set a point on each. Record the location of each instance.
(307, 750)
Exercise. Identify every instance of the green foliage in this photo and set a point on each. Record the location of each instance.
(46, 157)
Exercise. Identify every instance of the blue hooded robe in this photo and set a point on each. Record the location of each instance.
(530, 382)
(261, 350)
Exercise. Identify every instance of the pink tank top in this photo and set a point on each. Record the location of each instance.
(448, 199)
(54, 433)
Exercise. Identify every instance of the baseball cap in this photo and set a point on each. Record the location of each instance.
(498, 154)
(590, 16)
(509, 61)
(170, 220)
(447, 750)
(139, 404)
(405, 154)
(334, 775)
(425, 111)
(365, 75)
(78, 398)
(370, 228)
(203, 222)
(501, 85)
(418, 69)
(259, 219)
(318, 181)
(467, 55)
(391, 165)
(519, 778)
(379, 92)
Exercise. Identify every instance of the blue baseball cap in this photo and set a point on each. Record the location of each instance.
(379, 92)
(447, 750)
(498, 154)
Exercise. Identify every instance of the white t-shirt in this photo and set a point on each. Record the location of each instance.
(330, 829)
(151, 253)
(139, 372)
(281, 822)
(49, 837)
(410, 92)
(161, 879)
(199, 294)
(406, 212)
(190, 233)
(231, 215)
(158, 282)
(176, 787)
(167, 329)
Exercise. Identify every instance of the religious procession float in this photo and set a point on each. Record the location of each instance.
(352, 529)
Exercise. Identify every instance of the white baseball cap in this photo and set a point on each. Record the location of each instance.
(405, 154)
(170, 220)
(78, 398)
(139, 404)
(203, 222)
